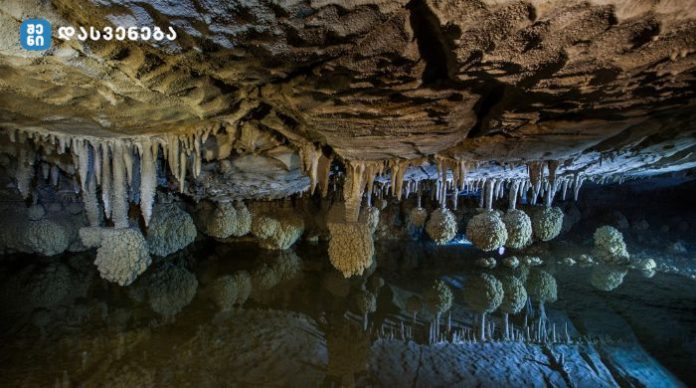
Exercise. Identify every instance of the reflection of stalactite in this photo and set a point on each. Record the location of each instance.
(348, 349)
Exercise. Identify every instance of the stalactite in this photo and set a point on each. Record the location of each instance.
(309, 157)
(106, 179)
(97, 162)
(55, 176)
(119, 199)
(490, 185)
(482, 198)
(81, 161)
(512, 195)
(182, 172)
(564, 189)
(353, 189)
(128, 163)
(197, 156)
(148, 178)
(136, 179)
(45, 171)
(398, 169)
(323, 171)
(25, 171)
(553, 169)
(576, 186)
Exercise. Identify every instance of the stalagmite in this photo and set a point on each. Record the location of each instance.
(119, 199)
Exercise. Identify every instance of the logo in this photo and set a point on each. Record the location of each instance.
(35, 34)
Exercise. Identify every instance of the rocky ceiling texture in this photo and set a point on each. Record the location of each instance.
(259, 94)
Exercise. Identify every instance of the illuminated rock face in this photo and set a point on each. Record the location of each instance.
(489, 81)
(361, 100)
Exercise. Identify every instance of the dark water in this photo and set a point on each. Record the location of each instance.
(302, 326)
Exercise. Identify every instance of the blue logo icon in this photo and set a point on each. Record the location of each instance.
(35, 34)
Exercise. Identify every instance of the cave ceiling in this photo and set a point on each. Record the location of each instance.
(488, 81)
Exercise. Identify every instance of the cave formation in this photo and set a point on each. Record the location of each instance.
(343, 124)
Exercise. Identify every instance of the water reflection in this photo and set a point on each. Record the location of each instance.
(221, 315)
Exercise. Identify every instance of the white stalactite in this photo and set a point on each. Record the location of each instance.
(490, 185)
(119, 199)
(148, 178)
(576, 186)
(106, 179)
(512, 195)
(564, 189)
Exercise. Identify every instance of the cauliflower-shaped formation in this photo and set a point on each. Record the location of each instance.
(519, 229)
(264, 278)
(483, 293)
(585, 260)
(224, 219)
(486, 262)
(569, 261)
(122, 255)
(607, 278)
(351, 247)
(542, 287)
(46, 286)
(370, 216)
(610, 246)
(487, 231)
(514, 295)
(522, 272)
(46, 237)
(171, 229)
(416, 219)
(287, 265)
(277, 232)
(365, 302)
(439, 297)
(547, 223)
(532, 261)
(647, 267)
(511, 262)
(376, 283)
(170, 289)
(36, 212)
(442, 226)
(263, 226)
(231, 290)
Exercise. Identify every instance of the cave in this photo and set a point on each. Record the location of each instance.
(330, 193)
